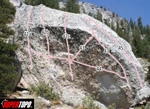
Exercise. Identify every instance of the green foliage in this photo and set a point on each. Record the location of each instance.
(140, 38)
(140, 25)
(148, 75)
(88, 103)
(104, 9)
(8, 63)
(112, 26)
(113, 14)
(140, 107)
(49, 3)
(112, 106)
(84, 11)
(122, 23)
(131, 24)
(119, 30)
(7, 12)
(147, 106)
(72, 6)
(8, 67)
(90, 14)
(99, 16)
(106, 22)
(45, 91)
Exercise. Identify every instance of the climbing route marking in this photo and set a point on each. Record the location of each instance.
(70, 60)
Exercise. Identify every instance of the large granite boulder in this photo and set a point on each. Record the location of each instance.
(105, 68)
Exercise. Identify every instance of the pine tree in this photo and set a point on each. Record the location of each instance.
(126, 35)
(119, 30)
(137, 42)
(106, 22)
(84, 11)
(99, 16)
(113, 14)
(147, 30)
(72, 6)
(112, 26)
(122, 23)
(8, 64)
(104, 9)
(140, 25)
(90, 14)
(6, 16)
(49, 3)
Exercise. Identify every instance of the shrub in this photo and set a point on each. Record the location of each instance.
(45, 91)
(88, 103)
(49, 3)
(147, 106)
(112, 106)
(8, 68)
(7, 12)
(8, 63)
(72, 6)
(148, 75)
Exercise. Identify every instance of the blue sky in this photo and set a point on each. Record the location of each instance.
(127, 8)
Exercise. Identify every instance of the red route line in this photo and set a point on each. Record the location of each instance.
(81, 50)
(96, 37)
(114, 73)
(45, 56)
(87, 65)
(37, 53)
(48, 47)
(134, 68)
(55, 57)
(69, 60)
(125, 54)
(110, 55)
(105, 32)
(28, 20)
(120, 66)
(90, 66)
(27, 27)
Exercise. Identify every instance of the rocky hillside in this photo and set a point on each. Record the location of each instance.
(93, 10)
(106, 14)
(91, 60)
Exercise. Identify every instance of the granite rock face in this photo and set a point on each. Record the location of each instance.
(107, 87)
(142, 95)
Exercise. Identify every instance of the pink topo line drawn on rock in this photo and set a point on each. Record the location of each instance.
(109, 54)
(48, 46)
(71, 61)
(27, 28)
(68, 48)
(125, 54)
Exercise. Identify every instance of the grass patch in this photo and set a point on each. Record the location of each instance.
(88, 103)
(112, 106)
(45, 91)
